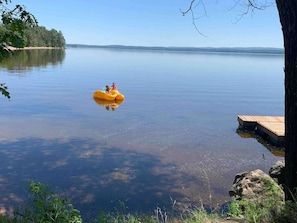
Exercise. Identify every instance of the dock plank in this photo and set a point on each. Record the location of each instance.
(274, 129)
(251, 118)
(273, 126)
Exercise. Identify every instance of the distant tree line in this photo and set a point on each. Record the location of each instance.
(37, 36)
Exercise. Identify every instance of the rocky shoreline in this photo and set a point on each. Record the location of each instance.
(252, 185)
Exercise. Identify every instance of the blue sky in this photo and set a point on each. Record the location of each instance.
(157, 23)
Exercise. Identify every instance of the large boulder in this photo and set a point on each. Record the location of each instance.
(256, 186)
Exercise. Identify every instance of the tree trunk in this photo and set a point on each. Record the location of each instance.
(288, 17)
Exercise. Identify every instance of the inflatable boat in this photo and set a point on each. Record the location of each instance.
(114, 95)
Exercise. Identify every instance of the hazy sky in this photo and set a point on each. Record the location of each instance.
(157, 23)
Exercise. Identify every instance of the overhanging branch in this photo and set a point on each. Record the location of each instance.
(190, 10)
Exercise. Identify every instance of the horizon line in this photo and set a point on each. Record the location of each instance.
(197, 47)
(254, 50)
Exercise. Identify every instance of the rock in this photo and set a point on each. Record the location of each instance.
(255, 185)
(277, 172)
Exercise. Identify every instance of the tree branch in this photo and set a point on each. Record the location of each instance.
(248, 5)
(190, 9)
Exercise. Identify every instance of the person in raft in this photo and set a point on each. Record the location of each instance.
(107, 89)
(114, 87)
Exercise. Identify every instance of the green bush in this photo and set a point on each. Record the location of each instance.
(46, 207)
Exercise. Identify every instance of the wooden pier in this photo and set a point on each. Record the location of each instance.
(271, 127)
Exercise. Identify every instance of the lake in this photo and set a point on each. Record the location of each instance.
(172, 142)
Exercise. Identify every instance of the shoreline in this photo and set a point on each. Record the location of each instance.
(34, 48)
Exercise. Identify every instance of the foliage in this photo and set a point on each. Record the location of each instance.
(288, 214)
(4, 91)
(45, 206)
(272, 189)
(197, 215)
(200, 215)
(121, 218)
(270, 212)
(15, 21)
(235, 209)
(35, 36)
(5, 219)
(40, 36)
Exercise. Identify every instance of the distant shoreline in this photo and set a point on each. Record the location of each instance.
(34, 48)
(238, 50)
(245, 50)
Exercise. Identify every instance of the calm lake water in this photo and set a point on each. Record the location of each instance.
(173, 138)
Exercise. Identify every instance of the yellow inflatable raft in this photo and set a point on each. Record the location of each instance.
(114, 95)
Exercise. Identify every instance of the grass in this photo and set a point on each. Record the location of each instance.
(254, 214)
(43, 206)
(198, 215)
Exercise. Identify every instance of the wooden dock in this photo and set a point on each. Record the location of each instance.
(271, 127)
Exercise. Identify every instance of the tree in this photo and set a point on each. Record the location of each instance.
(40, 36)
(15, 21)
(287, 10)
(287, 13)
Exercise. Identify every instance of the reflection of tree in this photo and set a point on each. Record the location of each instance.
(28, 59)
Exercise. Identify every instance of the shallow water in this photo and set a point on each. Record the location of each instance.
(173, 138)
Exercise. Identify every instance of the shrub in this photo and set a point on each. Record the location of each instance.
(46, 207)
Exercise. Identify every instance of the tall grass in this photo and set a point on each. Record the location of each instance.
(47, 207)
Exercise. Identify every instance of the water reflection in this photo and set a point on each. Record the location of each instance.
(109, 105)
(278, 151)
(23, 60)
